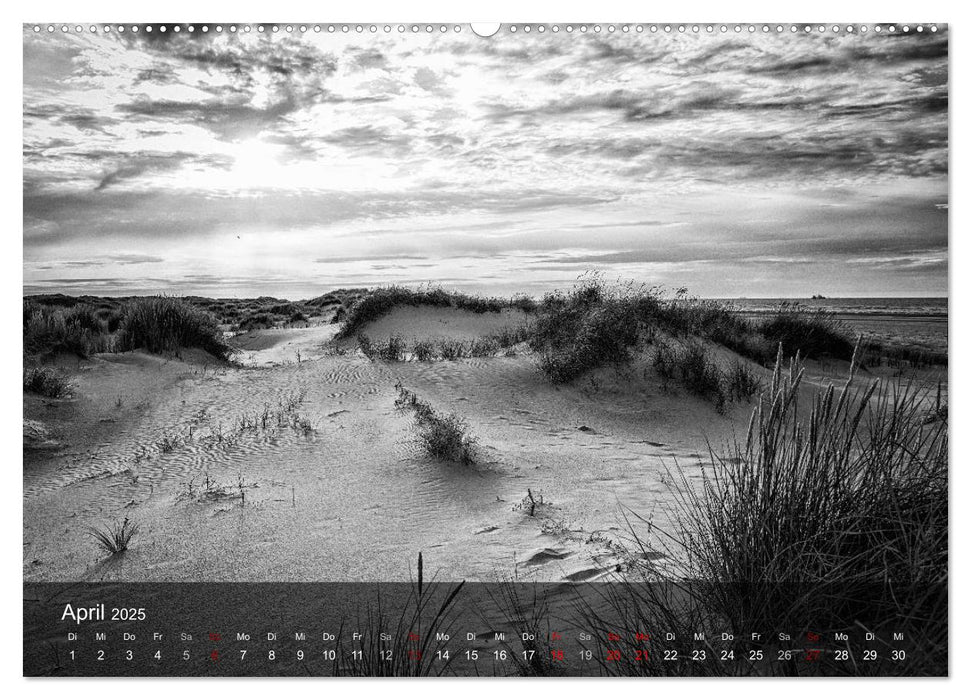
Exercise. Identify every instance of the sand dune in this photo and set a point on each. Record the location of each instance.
(223, 494)
(422, 322)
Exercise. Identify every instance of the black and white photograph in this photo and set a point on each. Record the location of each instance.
(622, 348)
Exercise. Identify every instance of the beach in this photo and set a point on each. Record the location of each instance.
(293, 463)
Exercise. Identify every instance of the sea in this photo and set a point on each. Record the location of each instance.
(849, 306)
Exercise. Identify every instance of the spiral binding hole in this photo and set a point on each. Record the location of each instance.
(835, 29)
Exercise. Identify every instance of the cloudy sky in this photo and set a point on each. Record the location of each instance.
(247, 164)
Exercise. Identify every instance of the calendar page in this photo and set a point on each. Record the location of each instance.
(461, 350)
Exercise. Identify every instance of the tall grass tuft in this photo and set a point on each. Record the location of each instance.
(403, 638)
(391, 351)
(168, 324)
(741, 382)
(77, 329)
(699, 374)
(692, 366)
(818, 521)
(114, 538)
(856, 494)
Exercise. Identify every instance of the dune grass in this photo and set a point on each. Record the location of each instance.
(417, 629)
(590, 326)
(395, 349)
(450, 348)
(901, 356)
(46, 381)
(157, 324)
(817, 521)
(423, 350)
(692, 365)
(853, 496)
(379, 302)
(443, 436)
(81, 330)
(741, 383)
(114, 538)
(168, 324)
(815, 333)
(596, 324)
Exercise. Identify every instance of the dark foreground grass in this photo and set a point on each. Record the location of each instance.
(402, 638)
(816, 522)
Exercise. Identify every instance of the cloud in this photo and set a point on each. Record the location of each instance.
(262, 157)
(122, 259)
(231, 120)
(133, 166)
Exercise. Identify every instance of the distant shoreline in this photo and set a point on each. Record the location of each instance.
(34, 294)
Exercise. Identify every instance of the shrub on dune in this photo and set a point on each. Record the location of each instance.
(167, 324)
(423, 350)
(700, 375)
(46, 381)
(75, 329)
(393, 350)
(590, 326)
(595, 324)
(483, 347)
(446, 437)
(813, 333)
(451, 349)
(697, 372)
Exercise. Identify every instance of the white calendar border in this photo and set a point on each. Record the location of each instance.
(548, 11)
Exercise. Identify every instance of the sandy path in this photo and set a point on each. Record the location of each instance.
(279, 346)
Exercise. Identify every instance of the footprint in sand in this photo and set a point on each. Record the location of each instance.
(546, 555)
(584, 575)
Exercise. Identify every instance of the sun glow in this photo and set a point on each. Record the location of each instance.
(260, 166)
